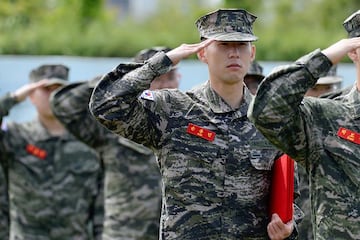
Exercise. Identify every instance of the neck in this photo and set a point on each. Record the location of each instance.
(53, 126)
(231, 93)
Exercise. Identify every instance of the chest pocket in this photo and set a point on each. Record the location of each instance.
(262, 154)
(346, 154)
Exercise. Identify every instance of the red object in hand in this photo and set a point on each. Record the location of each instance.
(282, 188)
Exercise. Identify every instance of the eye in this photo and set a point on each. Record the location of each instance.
(223, 43)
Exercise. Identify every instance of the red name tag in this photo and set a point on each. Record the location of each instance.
(37, 152)
(349, 135)
(200, 132)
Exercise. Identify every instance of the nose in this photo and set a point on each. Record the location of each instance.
(234, 51)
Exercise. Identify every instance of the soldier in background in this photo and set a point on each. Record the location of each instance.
(215, 166)
(254, 77)
(321, 134)
(132, 179)
(327, 84)
(54, 180)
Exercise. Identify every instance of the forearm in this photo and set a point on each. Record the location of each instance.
(70, 106)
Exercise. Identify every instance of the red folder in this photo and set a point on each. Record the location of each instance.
(282, 188)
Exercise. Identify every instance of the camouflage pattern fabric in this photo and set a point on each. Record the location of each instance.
(305, 227)
(4, 206)
(132, 178)
(54, 182)
(313, 132)
(215, 165)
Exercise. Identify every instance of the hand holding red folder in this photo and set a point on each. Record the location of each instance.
(282, 188)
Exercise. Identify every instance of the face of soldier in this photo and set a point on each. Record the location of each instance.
(170, 79)
(40, 98)
(228, 62)
(319, 89)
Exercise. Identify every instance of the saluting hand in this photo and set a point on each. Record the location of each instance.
(23, 92)
(277, 230)
(338, 50)
(185, 50)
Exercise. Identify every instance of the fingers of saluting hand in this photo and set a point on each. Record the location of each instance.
(185, 50)
(23, 92)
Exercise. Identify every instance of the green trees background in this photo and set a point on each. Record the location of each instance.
(286, 28)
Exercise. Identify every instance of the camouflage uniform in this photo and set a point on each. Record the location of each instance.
(293, 124)
(213, 188)
(132, 179)
(54, 182)
(4, 206)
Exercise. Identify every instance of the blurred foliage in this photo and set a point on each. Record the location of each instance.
(286, 29)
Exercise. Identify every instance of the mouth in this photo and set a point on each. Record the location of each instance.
(234, 65)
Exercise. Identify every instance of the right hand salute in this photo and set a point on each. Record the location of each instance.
(23, 92)
(338, 50)
(185, 50)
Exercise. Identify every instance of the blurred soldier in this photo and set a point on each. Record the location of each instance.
(54, 180)
(324, 85)
(254, 77)
(215, 166)
(321, 134)
(132, 178)
(4, 205)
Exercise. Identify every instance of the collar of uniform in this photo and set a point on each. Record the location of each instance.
(218, 105)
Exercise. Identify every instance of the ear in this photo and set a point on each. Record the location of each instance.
(202, 55)
(253, 52)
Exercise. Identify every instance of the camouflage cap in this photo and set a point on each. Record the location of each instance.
(352, 24)
(331, 77)
(255, 70)
(227, 25)
(56, 74)
(145, 54)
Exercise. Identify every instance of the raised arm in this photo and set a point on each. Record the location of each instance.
(279, 109)
(70, 105)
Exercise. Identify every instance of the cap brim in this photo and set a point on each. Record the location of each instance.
(329, 80)
(232, 37)
(56, 81)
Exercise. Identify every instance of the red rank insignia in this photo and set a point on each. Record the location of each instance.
(200, 132)
(35, 151)
(349, 135)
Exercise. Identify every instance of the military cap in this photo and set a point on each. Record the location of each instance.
(145, 54)
(255, 70)
(227, 25)
(352, 24)
(55, 73)
(331, 77)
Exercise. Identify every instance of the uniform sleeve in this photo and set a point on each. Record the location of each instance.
(70, 105)
(6, 103)
(278, 110)
(115, 100)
